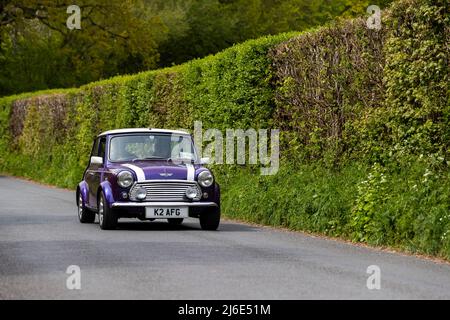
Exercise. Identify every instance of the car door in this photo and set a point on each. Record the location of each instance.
(89, 174)
(95, 172)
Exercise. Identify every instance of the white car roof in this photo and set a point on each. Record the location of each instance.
(142, 130)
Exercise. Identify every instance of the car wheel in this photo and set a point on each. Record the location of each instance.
(175, 221)
(106, 216)
(210, 220)
(84, 214)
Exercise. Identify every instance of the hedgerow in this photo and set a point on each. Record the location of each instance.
(364, 119)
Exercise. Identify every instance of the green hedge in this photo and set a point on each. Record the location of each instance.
(326, 81)
(48, 135)
(364, 116)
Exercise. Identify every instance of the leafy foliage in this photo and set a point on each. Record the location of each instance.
(38, 51)
(325, 81)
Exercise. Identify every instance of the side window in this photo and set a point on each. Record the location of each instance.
(94, 152)
(101, 149)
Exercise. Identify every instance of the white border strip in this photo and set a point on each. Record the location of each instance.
(190, 172)
(139, 172)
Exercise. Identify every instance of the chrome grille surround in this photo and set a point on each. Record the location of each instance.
(165, 190)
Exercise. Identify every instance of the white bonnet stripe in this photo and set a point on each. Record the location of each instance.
(190, 172)
(139, 172)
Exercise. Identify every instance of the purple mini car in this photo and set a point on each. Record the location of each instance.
(147, 174)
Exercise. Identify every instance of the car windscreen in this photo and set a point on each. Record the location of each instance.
(151, 146)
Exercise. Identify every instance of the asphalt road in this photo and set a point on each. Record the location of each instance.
(40, 237)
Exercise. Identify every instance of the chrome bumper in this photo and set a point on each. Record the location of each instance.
(164, 204)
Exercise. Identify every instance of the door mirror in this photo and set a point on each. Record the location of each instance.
(97, 160)
(205, 160)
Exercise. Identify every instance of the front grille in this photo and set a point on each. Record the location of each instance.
(164, 190)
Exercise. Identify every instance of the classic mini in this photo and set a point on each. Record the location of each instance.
(147, 174)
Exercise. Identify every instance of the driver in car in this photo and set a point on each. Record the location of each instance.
(119, 150)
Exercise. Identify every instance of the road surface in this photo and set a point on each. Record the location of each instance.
(40, 237)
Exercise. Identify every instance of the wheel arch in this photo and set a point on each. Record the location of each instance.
(106, 188)
(84, 190)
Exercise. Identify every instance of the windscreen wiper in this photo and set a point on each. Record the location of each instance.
(148, 158)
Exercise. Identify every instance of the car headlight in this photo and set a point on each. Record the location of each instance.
(125, 179)
(205, 179)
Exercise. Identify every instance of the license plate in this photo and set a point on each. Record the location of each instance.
(166, 212)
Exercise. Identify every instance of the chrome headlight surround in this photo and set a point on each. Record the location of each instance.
(205, 178)
(125, 179)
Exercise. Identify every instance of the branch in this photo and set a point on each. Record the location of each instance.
(106, 30)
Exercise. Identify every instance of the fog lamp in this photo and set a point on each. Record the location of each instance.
(141, 193)
(191, 193)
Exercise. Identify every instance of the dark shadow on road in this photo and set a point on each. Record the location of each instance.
(152, 226)
(189, 226)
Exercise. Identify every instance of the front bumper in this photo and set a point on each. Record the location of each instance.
(137, 209)
(163, 204)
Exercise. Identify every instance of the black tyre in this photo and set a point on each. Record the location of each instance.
(106, 216)
(175, 221)
(210, 220)
(84, 214)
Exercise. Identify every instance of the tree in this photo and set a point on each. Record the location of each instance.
(116, 37)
